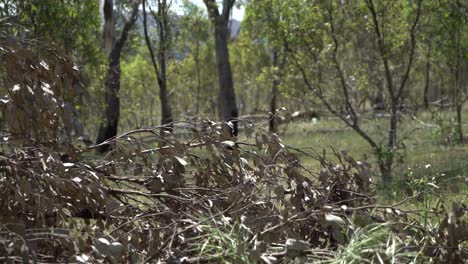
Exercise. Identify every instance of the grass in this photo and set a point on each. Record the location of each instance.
(221, 239)
(375, 243)
(421, 143)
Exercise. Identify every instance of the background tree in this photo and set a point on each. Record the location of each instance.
(251, 62)
(159, 60)
(263, 13)
(195, 29)
(454, 27)
(319, 48)
(113, 47)
(139, 97)
(227, 98)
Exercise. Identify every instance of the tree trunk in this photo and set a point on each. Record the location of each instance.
(160, 65)
(228, 106)
(277, 73)
(274, 91)
(391, 147)
(385, 166)
(108, 127)
(379, 103)
(197, 68)
(257, 98)
(227, 98)
(395, 92)
(428, 74)
(458, 100)
(442, 93)
(459, 122)
(166, 112)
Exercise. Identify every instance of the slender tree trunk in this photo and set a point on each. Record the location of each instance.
(274, 91)
(108, 127)
(243, 103)
(228, 106)
(151, 112)
(428, 74)
(388, 156)
(458, 100)
(197, 68)
(385, 167)
(214, 106)
(257, 98)
(379, 103)
(459, 122)
(277, 76)
(442, 93)
(227, 98)
(166, 112)
(160, 64)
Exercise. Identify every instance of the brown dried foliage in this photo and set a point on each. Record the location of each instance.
(36, 82)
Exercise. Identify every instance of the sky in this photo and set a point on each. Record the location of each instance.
(237, 14)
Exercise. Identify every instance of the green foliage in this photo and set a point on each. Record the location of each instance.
(251, 62)
(223, 238)
(377, 243)
(72, 25)
(139, 93)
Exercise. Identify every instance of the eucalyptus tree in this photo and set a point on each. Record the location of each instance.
(319, 35)
(251, 61)
(113, 46)
(70, 25)
(227, 98)
(139, 98)
(445, 38)
(159, 53)
(195, 28)
(263, 21)
(452, 19)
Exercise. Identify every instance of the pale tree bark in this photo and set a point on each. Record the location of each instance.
(227, 98)
(113, 48)
(159, 58)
